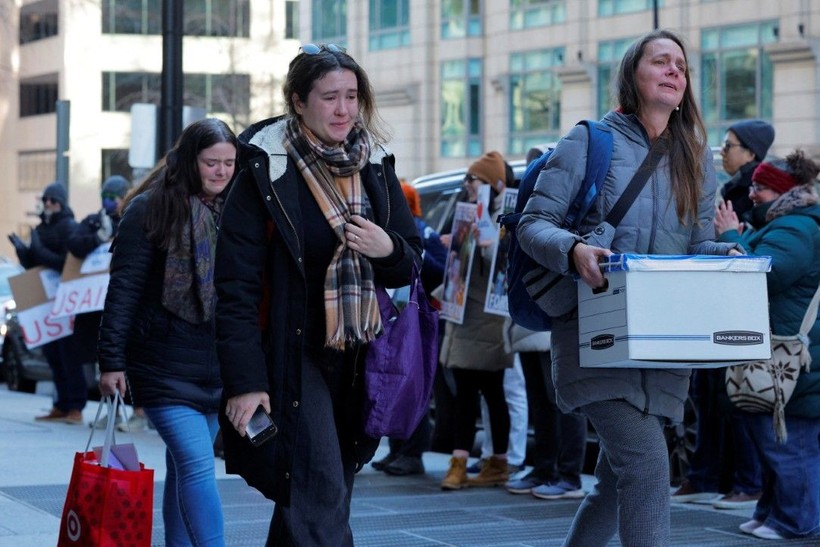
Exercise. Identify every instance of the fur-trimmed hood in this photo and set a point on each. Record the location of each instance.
(268, 137)
(800, 196)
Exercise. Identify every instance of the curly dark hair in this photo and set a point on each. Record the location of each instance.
(803, 169)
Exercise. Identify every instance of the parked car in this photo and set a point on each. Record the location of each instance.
(439, 193)
(7, 269)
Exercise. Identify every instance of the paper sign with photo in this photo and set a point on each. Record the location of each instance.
(487, 229)
(459, 263)
(496, 302)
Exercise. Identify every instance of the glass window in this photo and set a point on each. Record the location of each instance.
(38, 21)
(736, 76)
(120, 90)
(132, 17)
(535, 98)
(617, 7)
(610, 54)
(36, 169)
(115, 162)
(223, 93)
(460, 128)
(200, 17)
(460, 18)
(38, 95)
(329, 21)
(389, 24)
(537, 13)
(292, 19)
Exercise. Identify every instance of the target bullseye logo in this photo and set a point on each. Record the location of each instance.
(73, 525)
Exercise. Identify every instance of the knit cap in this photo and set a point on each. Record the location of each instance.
(489, 168)
(117, 185)
(776, 175)
(756, 135)
(413, 200)
(57, 192)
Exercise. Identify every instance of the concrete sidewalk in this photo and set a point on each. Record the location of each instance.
(36, 461)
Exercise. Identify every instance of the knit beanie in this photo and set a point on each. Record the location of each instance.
(117, 185)
(489, 168)
(412, 197)
(57, 192)
(756, 135)
(776, 175)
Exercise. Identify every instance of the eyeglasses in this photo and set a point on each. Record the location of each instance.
(471, 178)
(313, 49)
(756, 188)
(729, 145)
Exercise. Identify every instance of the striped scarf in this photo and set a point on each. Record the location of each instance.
(332, 175)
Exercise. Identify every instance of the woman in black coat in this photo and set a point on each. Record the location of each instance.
(158, 321)
(315, 218)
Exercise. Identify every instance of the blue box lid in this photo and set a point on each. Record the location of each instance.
(686, 263)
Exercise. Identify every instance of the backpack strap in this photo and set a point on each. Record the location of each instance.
(599, 154)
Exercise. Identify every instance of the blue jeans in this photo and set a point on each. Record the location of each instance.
(191, 508)
(790, 503)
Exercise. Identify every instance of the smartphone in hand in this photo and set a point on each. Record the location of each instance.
(261, 427)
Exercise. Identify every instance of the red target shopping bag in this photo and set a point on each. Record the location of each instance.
(107, 506)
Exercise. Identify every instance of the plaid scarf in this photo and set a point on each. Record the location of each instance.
(332, 175)
(188, 286)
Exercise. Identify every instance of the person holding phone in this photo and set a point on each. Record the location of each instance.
(315, 219)
(158, 320)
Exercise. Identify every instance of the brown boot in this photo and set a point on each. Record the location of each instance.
(456, 477)
(494, 473)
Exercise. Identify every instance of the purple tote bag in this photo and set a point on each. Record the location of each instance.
(400, 365)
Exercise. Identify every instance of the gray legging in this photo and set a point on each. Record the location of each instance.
(632, 493)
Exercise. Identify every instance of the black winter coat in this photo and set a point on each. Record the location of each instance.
(260, 252)
(49, 241)
(84, 238)
(168, 360)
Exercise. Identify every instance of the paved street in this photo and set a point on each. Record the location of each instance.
(36, 459)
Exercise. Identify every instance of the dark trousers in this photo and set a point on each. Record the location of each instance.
(417, 444)
(323, 465)
(68, 374)
(469, 384)
(724, 458)
(560, 439)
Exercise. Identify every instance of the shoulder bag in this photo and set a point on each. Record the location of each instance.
(400, 365)
(767, 386)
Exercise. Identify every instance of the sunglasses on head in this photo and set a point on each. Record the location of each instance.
(313, 49)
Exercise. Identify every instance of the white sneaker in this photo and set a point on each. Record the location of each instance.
(764, 532)
(135, 423)
(750, 526)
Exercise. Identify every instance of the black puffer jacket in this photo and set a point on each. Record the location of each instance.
(168, 360)
(49, 241)
(84, 238)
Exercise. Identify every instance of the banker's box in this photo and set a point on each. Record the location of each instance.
(688, 311)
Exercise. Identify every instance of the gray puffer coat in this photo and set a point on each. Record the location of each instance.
(650, 226)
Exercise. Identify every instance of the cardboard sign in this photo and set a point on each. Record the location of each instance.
(34, 292)
(84, 283)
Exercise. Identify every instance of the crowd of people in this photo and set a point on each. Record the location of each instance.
(243, 280)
